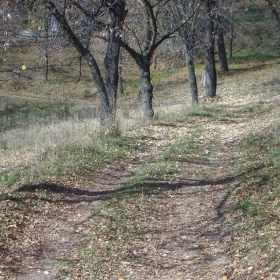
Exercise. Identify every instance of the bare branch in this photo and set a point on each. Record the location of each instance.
(170, 33)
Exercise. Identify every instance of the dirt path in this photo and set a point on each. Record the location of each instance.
(190, 238)
(188, 235)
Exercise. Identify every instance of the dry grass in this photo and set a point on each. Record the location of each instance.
(28, 146)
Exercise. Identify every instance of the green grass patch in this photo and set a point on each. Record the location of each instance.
(251, 109)
(256, 199)
(166, 74)
(57, 163)
(253, 13)
(255, 55)
(131, 86)
(182, 148)
(15, 112)
(166, 164)
(204, 111)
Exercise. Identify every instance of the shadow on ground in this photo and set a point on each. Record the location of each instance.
(71, 195)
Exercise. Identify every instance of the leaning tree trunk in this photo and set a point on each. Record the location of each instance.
(210, 68)
(105, 111)
(192, 76)
(147, 88)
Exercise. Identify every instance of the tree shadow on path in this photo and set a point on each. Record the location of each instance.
(71, 195)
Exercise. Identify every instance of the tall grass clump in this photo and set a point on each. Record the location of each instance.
(48, 151)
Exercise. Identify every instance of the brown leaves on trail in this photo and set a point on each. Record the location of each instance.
(15, 243)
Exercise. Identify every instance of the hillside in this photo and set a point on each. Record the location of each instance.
(193, 194)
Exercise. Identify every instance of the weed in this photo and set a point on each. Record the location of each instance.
(246, 110)
(202, 111)
(16, 112)
(87, 94)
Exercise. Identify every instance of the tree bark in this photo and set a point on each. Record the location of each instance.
(117, 13)
(210, 67)
(192, 76)
(230, 54)
(188, 35)
(143, 57)
(120, 82)
(222, 49)
(46, 65)
(147, 88)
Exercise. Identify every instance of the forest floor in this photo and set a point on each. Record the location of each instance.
(164, 213)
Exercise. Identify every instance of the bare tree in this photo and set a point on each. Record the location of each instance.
(146, 41)
(107, 85)
(189, 36)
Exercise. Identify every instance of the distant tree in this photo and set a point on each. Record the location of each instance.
(189, 36)
(220, 37)
(231, 18)
(79, 20)
(12, 22)
(210, 67)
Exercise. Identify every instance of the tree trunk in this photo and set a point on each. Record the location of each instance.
(147, 89)
(111, 61)
(210, 68)
(192, 76)
(46, 64)
(120, 82)
(221, 49)
(105, 111)
(155, 62)
(231, 30)
(230, 39)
